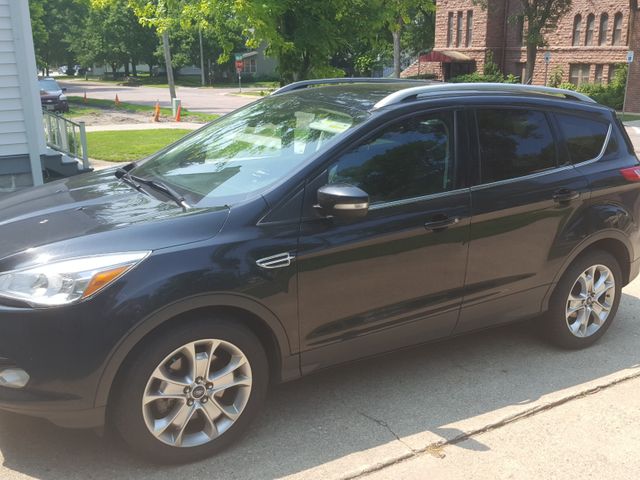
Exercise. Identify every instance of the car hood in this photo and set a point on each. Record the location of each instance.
(95, 213)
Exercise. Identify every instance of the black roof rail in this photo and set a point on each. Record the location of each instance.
(329, 81)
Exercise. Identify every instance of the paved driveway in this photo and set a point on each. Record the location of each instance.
(207, 100)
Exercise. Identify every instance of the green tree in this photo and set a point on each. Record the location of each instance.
(395, 15)
(56, 25)
(113, 36)
(537, 16)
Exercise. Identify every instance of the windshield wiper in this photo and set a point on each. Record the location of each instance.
(157, 185)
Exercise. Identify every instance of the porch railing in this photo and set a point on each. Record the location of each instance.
(66, 136)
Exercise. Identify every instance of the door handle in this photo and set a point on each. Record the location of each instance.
(440, 222)
(565, 195)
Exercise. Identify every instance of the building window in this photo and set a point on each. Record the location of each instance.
(249, 65)
(450, 30)
(617, 29)
(591, 26)
(604, 26)
(459, 30)
(579, 74)
(469, 27)
(577, 30)
(612, 72)
(599, 72)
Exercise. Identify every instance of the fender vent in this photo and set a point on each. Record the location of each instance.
(276, 261)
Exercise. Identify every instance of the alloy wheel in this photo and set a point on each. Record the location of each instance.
(590, 301)
(197, 393)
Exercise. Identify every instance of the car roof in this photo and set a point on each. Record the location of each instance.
(360, 96)
(381, 94)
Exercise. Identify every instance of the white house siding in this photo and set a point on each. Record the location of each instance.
(21, 133)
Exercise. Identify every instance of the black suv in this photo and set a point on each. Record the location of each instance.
(312, 227)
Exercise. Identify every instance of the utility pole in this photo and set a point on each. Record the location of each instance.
(168, 65)
(202, 77)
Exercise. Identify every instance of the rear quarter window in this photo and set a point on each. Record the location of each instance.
(585, 137)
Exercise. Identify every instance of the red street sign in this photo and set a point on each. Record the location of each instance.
(239, 65)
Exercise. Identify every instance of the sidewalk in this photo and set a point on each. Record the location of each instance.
(595, 436)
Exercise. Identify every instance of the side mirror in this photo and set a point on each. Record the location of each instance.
(64, 89)
(342, 200)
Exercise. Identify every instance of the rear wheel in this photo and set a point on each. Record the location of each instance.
(191, 391)
(585, 301)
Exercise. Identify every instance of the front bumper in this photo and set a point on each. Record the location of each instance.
(64, 354)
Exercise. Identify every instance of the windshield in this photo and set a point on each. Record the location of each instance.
(48, 85)
(250, 149)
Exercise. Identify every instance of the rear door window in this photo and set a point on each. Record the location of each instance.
(585, 137)
(514, 143)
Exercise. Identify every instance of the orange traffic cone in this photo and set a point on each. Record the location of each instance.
(156, 113)
(178, 113)
(84, 100)
(117, 100)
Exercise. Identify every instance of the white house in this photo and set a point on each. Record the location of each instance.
(22, 142)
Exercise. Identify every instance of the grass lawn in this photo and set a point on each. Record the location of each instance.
(79, 107)
(129, 145)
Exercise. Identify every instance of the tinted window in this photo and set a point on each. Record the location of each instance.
(585, 137)
(514, 143)
(410, 159)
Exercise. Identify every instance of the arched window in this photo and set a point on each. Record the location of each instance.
(591, 26)
(604, 26)
(617, 29)
(577, 30)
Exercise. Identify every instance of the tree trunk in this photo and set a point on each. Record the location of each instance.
(168, 65)
(134, 68)
(396, 51)
(126, 68)
(114, 70)
(532, 53)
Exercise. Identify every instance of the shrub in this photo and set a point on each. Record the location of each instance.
(422, 76)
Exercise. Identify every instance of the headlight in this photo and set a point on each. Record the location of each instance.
(68, 281)
(62, 98)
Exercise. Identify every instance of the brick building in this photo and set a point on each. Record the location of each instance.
(586, 46)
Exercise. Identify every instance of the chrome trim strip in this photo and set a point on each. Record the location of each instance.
(278, 260)
(602, 152)
(405, 201)
(525, 177)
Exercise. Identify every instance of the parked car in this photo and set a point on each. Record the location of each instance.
(52, 95)
(313, 227)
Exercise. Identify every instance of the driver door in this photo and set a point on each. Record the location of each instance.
(395, 277)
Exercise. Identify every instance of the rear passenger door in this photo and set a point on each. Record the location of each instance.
(523, 204)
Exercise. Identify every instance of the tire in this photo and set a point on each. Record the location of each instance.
(585, 325)
(165, 355)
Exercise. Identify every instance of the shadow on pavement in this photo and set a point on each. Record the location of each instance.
(415, 395)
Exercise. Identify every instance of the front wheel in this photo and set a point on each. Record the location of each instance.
(585, 301)
(191, 391)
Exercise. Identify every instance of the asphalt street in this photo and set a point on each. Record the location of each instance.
(206, 100)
